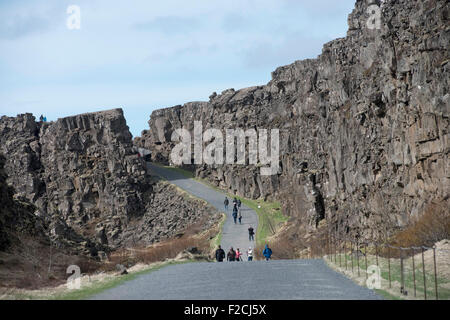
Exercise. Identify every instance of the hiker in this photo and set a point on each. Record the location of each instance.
(239, 216)
(220, 254)
(45, 119)
(238, 255)
(239, 203)
(41, 118)
(235, 201)
(267, 253)
(231, 256)
(226, 202)
(251, 234)
(235, 214)
(250, 254)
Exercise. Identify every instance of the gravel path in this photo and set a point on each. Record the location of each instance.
(233, 235)
(257, 280)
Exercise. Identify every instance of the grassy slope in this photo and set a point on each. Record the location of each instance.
(215, 242)
(270, 217)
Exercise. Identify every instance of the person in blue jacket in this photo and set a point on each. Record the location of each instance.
(267, 253)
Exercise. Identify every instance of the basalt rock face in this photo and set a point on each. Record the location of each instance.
(364, 128)
(16, 217)
(88, 184)
(19, 224)
(92, 173)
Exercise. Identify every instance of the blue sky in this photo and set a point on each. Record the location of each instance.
(143, 55)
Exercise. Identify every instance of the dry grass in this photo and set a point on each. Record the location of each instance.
(280, 250)
(36, 265)
(164, 250)
(97, 276)
(159, 252)
(284, 244)
(431, 227)
(293, 241)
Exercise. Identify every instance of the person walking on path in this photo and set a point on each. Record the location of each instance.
(251, 234)
(267, 253)
(235, 214)
(220, 254)
(250, 254)
(231, 256)
(239, 203)
(238, 255)
(226, 202)
(235, 201)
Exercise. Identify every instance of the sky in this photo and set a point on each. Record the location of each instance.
(142, 55)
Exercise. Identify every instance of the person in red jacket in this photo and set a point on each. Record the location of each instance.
(238, 255)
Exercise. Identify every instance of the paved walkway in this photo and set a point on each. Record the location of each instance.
(257, 280)
(233, 235)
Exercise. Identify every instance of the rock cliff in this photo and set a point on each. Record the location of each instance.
(16, 216)
(88, 184)
(364, 128)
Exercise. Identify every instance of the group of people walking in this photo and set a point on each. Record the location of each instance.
(233, 255)
(236, 209)
(236, 255)
(237, 215)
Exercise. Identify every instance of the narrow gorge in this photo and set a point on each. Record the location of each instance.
(364, 148)
(364, 128)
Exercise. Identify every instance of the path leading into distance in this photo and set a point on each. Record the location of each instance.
(233, 235)
(309, 279)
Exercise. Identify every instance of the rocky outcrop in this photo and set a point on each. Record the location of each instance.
(89, 185)
(364, 128)
(16, 217)
(92, 173)
(170, 213)
(18, 222)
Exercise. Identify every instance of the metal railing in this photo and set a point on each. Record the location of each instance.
(406, 267)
